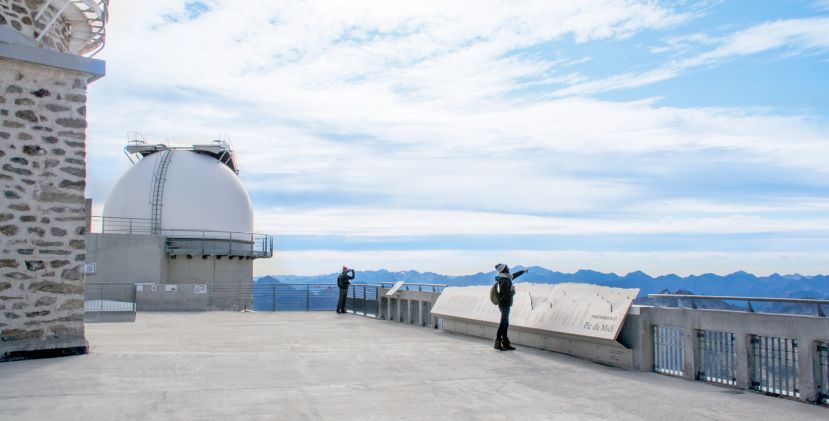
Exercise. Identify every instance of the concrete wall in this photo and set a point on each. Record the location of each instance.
(121, 258)
(140, 258)
(42, 228)
(181, 297)
(602, 351)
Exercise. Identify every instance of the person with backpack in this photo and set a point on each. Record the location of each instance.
(501, 294)
(343, 281)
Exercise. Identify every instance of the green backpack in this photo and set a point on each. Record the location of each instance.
(493, 294)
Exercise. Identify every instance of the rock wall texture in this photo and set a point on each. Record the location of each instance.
(20, 16)
(42, 224)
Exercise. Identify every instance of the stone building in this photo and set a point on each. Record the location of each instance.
(45, 67)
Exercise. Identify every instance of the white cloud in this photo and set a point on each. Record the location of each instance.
(798, 35)
(384, 222)
(413, 105)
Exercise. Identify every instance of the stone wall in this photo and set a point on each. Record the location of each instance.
(42, 225)
(20, 16)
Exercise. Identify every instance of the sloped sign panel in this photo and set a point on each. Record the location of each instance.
(577, 309)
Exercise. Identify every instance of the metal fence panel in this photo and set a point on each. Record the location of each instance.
(775, 365)
(109, 302)
(716, 357)
(361, 299)
(823, 372)
(668, 350)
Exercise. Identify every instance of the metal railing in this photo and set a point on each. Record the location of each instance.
(669, 350)
(775, 365)
(106, 302)
(823, 372)
(717, 357)
(361, 299)
(748, 300)
(95, 13)
(416, 287)
(189, 241)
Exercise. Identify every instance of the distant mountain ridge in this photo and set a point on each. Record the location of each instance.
(737, 283)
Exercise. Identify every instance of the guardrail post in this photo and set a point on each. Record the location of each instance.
(365, 301)
(806, 352)
(743, 351)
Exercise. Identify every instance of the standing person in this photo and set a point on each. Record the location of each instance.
(343, 281)
(505, 293)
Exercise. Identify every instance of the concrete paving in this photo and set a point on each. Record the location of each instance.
(310, 366)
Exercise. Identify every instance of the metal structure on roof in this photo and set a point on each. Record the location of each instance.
(87, 19)
(221, 150)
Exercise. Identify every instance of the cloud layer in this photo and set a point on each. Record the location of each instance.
(371, 119)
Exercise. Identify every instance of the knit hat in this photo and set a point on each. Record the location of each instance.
(345, 268)
(500, 267)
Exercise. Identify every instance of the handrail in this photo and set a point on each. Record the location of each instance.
(749, 308)
(144, 225)
(383, 284)
(733, 298)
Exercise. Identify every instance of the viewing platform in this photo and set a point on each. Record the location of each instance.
(322, 365)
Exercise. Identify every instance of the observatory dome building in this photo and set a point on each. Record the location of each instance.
(197, 192)
(178, 224)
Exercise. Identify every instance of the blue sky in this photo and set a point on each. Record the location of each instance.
(670, 137)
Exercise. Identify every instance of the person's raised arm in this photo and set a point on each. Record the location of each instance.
(519, 273)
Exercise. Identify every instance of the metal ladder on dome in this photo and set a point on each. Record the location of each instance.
(157, 194)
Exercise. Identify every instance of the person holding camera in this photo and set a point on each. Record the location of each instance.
(343, 281)
(505, 293)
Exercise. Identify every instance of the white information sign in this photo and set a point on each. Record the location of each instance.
(89, 268)
(394, 288)
(140, 286)
(200, 289)
(577, 309)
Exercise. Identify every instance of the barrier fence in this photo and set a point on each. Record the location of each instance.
(717, 357)
(775, 366)
(361, 298)
(823, 372)
(669, 352)
(109, 302)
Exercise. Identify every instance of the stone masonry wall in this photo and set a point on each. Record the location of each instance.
(20, 15)
(42, 226)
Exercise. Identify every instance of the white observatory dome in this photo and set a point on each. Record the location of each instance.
(198, 193)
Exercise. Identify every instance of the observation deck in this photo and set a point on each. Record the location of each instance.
(321, 365)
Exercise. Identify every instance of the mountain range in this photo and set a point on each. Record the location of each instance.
(737, 283)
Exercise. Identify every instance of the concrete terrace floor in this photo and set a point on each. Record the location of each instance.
(309, 366)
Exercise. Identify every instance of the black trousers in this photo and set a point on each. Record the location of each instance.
(504, 325)
(341, 302)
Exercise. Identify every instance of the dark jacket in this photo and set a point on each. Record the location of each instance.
(343, 281)
(505, 289)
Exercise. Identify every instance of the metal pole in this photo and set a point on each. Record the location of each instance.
(273, 294)
(307, 297)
